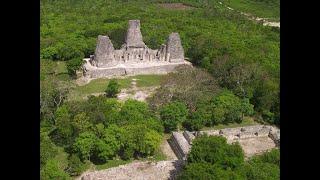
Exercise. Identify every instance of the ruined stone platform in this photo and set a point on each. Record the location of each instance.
(93, 72)
(254, 139)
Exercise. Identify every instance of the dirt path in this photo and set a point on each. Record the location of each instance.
(265, 21)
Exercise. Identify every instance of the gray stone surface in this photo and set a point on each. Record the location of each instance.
(175, 51)
(134, 57)
(189, 136)
(180, 145)
(134, 36)
(104, 53)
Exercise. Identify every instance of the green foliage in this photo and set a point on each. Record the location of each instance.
(109, 144)
(81, 123)
(264, 171)
(51, 171)
(243, 56)
(112, 88)
(75, 166)
(73, 65)
(215, 150)
(84, 145)
(63, 123)
(133, 111)
(47, 149)
(207, 171)
(172, 114)
(195, 121)
(212, 158)
(139, 141)
(272, 157)
(229, 108)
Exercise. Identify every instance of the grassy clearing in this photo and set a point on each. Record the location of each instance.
(247, 121)
(61, 71)
(148, 80)
(100, 85)
(262, 8)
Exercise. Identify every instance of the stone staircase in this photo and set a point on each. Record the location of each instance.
(180, 143)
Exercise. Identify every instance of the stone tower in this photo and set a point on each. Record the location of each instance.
(134, 36)
(174, 50)
(104, 54)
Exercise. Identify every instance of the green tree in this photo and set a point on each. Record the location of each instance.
(63, 123)
(75, 166)
(81, 123)
(85, 144)
(133, 111)
(113, 88)
(74, 65)
(215, 150)
(51, 171)
(47, 149)
(172, 114)
(207, 171)
(227, 108)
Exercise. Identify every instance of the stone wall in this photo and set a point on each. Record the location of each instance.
(232, 134)
(93, 72)
(181, 141)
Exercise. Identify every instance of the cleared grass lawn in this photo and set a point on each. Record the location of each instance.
(100, 85)
(148, 80)
(61, 71)
(263, 8)
(247, 121)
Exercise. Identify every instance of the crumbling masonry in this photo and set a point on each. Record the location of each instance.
(181, 142)
(134, 57)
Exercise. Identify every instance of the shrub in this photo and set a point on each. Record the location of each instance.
(47, 149)
(52, 170)
(75, 166)
(215, 150)
(73, 65)
(85, 144)
(113, 88)
(207, 171)
(172, 114)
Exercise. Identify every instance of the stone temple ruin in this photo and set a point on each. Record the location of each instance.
(134, 57)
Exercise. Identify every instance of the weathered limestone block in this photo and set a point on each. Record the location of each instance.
(104, 54)
(275, 136)
(181, 145)
(174, 49)
(134, 36)
(189, 136)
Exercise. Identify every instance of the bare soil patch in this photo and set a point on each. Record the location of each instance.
(175, 6)
(258, 145)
